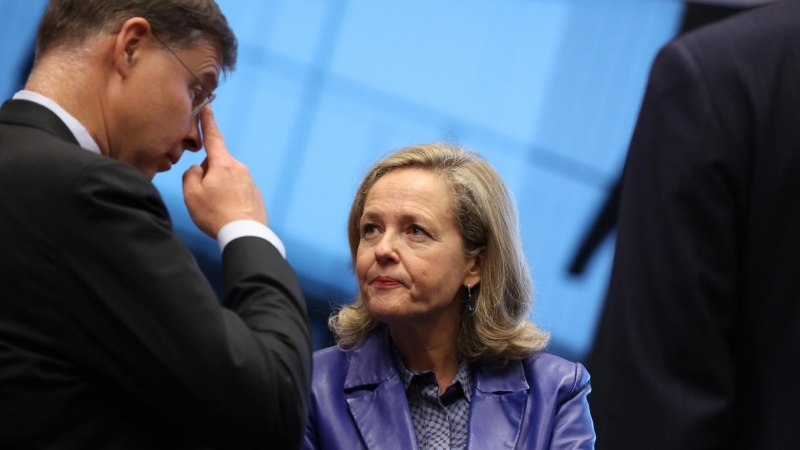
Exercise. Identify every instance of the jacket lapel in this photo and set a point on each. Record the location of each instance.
(376, 397)
(498, 404)
(34, 115)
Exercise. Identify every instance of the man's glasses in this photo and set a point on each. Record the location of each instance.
(200, 99)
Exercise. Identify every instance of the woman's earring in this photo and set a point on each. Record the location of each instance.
(469, 300)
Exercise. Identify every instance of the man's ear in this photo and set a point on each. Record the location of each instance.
(131, 41)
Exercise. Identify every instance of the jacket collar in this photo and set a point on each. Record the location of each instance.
(499, 401)
(376, 397)
(371, 361)
(495, 379)
(378, 403)
(29, 114)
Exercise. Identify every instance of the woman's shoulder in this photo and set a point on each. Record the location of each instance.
(366, 353)
(330, 370)
(548, 361)
(551, 372)
(329, 358)
(328, 353)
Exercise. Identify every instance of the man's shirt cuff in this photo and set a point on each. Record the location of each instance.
(242, 228)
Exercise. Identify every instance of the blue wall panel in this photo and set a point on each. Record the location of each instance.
(548, 91)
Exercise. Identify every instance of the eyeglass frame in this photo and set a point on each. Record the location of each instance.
(210, 96)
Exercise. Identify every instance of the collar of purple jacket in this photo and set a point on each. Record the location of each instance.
(497, 391)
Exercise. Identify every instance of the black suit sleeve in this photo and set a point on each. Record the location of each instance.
(663, 362)
(143, 319)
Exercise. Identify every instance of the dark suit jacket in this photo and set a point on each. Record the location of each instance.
(110, 336)
(699, 344)
(358, 402)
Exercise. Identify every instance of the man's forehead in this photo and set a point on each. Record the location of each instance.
(206, 59)
(209, 49)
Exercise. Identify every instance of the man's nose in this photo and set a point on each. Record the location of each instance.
(193, 141)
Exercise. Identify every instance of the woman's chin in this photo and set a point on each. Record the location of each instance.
(391, 317)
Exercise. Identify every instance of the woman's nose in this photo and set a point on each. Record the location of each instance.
(386, 250)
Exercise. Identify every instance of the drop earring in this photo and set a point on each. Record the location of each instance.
(469, 300)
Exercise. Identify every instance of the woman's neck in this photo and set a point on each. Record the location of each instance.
(428, 348)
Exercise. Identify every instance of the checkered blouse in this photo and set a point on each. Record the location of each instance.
(440, 421)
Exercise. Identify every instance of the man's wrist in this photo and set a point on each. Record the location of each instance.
(243, 228)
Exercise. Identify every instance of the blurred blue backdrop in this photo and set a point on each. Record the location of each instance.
(548, 91)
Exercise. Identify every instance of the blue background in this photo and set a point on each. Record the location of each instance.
(548, 91)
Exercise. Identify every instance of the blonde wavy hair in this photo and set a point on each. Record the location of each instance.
(485, 212)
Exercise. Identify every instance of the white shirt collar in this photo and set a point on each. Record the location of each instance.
(80, 132)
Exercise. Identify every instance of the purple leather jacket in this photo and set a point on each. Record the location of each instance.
(358, 402)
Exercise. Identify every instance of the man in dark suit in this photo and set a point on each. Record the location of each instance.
(110, 336)
(699, 342)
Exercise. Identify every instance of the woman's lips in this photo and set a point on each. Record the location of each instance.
(385, 282)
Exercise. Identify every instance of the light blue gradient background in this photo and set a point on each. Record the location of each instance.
(547, 91)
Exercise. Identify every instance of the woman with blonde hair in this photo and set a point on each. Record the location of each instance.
(437, 351)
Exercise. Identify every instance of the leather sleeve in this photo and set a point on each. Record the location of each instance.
(573, 428)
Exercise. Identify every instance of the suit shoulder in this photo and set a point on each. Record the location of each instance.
(768, 21)
(39, 157)
(33, 151)
(762, 34)
(553, 373)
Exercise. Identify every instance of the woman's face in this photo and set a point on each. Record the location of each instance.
(410, 261)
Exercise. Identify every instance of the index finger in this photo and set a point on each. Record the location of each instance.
(212, 137)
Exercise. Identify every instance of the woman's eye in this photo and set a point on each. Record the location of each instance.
(418, 231)
(369, 229)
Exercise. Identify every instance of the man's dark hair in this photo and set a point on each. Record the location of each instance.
(178, 23)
